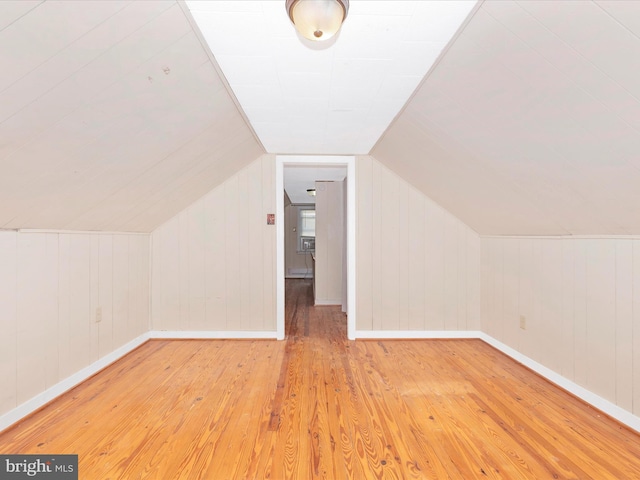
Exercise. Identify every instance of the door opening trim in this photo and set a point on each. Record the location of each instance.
(320, 160)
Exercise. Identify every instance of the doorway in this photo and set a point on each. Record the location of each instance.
(283, 161)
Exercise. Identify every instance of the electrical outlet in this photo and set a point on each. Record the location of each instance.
(98, 314)
(523, 322)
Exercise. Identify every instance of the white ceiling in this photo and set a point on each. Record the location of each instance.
(299, 178)
(334, 100)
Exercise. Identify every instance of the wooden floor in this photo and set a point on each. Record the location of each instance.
(319, 406)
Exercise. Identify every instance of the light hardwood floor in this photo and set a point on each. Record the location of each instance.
(319, 406)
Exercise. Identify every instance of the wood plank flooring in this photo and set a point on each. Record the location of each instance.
(319, 406)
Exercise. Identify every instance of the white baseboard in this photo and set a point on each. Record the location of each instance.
(199, 334)
(12, 416)
(591, 398)
(34, 403)
(602, 404)
(322, 303)
(607, 407)
(417, 334)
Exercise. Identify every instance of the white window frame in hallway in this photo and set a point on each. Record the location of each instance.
(319, 160)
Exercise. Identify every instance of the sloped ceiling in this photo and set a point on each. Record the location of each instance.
(530, 124)
(112, 115)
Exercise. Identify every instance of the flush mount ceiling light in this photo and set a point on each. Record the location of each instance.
(317, 20)
(311, 191)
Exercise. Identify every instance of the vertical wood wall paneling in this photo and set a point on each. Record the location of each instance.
(636, 329)
(525, 295)
(232, 257)
(256, 224)
(168, 303)
(49, 319)
(364, 236)
(8, 321)
(196, 268)
(418, 266)
(214, 260)
(494, 282)
(580, 299)
(105, 295)
(377, 242)
(94, 296)
(389, 253)
(122, 331)
(580, 363)
(139, 283)
(145, 283)
(486, 267)
(624, 324)
(213, 264)
(265, 206)
(64, 307)
(566, 351)
(416, 274)
(434, 266)
(183, 268)
(32, 332)
(462, 288)
(601, 314)
(382, 201)
(404, 258)
(156, 313)
(511, 298)
(50, 287)
(450, 273)
(537, 332)
(551, 321)
(473, 281)
(80, 315)
(242, 215)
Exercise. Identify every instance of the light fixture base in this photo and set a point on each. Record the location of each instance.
(317, 20)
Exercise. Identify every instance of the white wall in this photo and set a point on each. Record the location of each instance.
(418, 267)
(296, 265)
(50, 287)
(213, 265)
(581, 301)
(329, 242)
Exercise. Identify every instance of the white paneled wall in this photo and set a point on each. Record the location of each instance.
(51, 285)
(580, 299)
(418, 267)
(213, 265)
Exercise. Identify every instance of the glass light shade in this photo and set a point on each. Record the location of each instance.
(317, 20)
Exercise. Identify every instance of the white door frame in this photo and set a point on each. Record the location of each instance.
(320, 160)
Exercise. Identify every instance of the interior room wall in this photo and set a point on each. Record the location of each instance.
(296, 264)
(418, 267)
(579, 299)
(329, 242)
(213, 265)
(51, 287)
